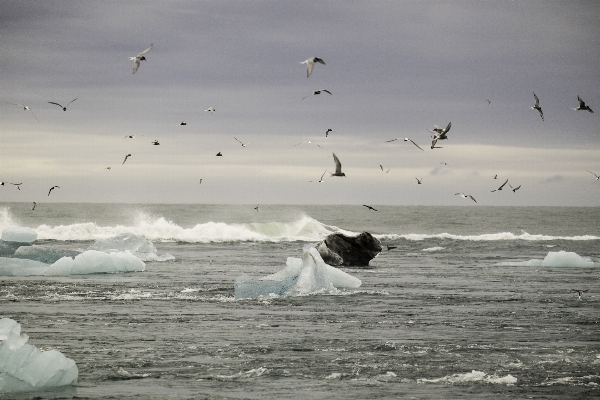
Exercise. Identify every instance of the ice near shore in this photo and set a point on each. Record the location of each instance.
(23, 367)
(19, 234)
(300, 277)
(556, 259)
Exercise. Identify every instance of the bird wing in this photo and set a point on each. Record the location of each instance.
(144, 52)
(326, 91)
(410, 140)
(447, 128)
(505, 182)
(72, 101)
(136, 64)
(338, 164)
(319, 60)
(592, 173)
(323, 174)
(517, 188)
(581, 102)
(238, 140)
(51, 102)
(309, 66)
(537, 100)
(472, 198)
(387, 141)
(541, 113)
(433, 142)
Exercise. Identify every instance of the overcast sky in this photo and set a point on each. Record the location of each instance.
(394, 68)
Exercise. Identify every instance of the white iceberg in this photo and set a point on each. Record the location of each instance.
(19, 234)
(556, 259)
(23, 367)
(96, 262)
(301, 276)
(18, 267)
(45, 254)
(136, 245)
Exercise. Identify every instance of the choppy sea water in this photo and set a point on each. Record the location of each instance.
(439, 316)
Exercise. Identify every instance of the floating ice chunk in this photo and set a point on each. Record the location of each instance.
(18, 267)
(23, 367)
(45, 254)
(556, 259)
(8, 248)
(19, 234)
(301, 276)
(136, 245)
(96, 262)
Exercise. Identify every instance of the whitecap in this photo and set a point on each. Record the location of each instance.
(473, 376)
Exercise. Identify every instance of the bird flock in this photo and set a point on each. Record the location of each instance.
(438, 133)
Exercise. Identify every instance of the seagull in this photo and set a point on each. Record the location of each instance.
(406, 140)
(517, 188)
(200, 183)
(327, 132)
(419, 180)
(108, 168)
(439, 133)
(597, 177)
(381, 166)
(126, 157)
(16, 184)
(579, 292)
(489, 101)
(391, 247)
(317, 92)
(52, 188)
(461, 194)
(501, 186)
(243, 144)
(129, 136)
(308, 142)
(136, 60)
(310, 63)
(210, 110)
(34, 204)
(321, 180)
(369, 207)
(28, 109)
(496, 176)
(338, 167)
(155, 143)
(183, 123)
(61, 106)
(537, 106)
(219, 154)
(256, 208)
(582, 105)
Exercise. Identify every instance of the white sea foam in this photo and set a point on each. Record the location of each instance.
(437, 248)
(473, 376)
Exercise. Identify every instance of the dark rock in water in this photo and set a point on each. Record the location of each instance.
(7, 249)
(339, 249)
(45, 254)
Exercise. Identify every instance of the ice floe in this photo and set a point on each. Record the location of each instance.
(18, 267)
(136, 245)
(45, 254)
(23, 367)
(19, 234)
(556, 259)
(96, 262)
(301, 276)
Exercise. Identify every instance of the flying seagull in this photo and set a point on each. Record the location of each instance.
(317, 92)
(327, 132)
(256, 208)
(419, 180)
(28, 109)
(321, 180)
(496, 176)
(406, 140)
(16, 184)
(129, 136)
(517, 188)
(582, 105)
(200, 183)
(489, 101)
(461, 194)
(310, 63)
(126, 157)
(108, 168)
(34, 204)
(210, 110)
(579, 292)
(381, 166)
(338, 167)
(155, 143)
(439, 133)
(136, 60)
(369, 207)
(183, 123)
(597, 177)
(243, 144)
(52, 188)
(308, 142)
(501, 186)
(537, 106)
(61, 106)
(219, 154)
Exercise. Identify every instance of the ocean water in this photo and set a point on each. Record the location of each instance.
(457, 310)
